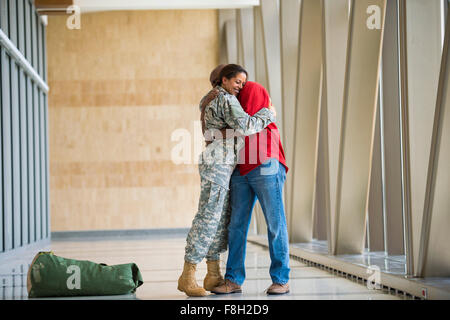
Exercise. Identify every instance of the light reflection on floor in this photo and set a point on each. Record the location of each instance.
(160, 261)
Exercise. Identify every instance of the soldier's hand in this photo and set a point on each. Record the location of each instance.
(272, 108)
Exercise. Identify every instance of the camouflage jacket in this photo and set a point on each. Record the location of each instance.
(218, 160)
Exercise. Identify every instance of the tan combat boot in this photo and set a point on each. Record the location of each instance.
(213, 277)
(187, 282)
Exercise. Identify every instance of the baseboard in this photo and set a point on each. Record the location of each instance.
(119, 233)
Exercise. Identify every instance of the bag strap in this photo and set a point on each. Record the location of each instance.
(210, 137)
(202, 119)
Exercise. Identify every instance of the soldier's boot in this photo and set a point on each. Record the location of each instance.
(187, 282)
(213, 276)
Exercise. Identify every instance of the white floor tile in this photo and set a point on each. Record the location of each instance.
(161, 263)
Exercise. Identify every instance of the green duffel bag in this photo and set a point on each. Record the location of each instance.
(53, 276)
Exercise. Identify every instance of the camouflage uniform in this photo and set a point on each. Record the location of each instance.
(208, 234)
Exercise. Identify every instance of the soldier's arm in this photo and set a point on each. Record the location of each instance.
(242, 122)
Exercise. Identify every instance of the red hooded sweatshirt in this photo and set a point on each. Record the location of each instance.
(264, 145)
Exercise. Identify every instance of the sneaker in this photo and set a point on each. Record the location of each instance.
(277, 288)
(227, 288)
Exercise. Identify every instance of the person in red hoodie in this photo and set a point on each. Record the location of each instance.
(260, 174)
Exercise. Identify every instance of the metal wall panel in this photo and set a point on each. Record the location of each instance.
(240, 49)
(23, 127)
(321, 206)
(28, 32)
(12, 34)
(336, 23)
(1, 154)
(424, 47)
(37, 164)
(43, 173)
(24, 143)
(246, 52)
(21, 26)
(47, 163)
(231, 35)
(434, 254)
(405, 159)
(262, 78)
(40, 68)
(16, 214)
(370, 142)
(23, 158)
(34, 48)
(224, 16)
(30, 162)
(358, 123)
(44, 53)
(260, 56)
(375, 222)
(46, 139)
(391, 132)
(7, 151)
(246, 30)
(290, 22)
(4, 16)
(15, 132)
(308, 103)
(268, 68)
(271, 35)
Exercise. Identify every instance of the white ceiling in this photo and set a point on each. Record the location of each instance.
(108, 5)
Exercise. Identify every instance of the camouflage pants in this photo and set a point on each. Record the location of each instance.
(208, 236)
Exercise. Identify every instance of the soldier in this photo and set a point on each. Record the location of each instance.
(207, 237)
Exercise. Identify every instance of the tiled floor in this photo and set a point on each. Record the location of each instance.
(161, 260)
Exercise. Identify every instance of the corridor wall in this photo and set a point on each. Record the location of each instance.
(368, 165)
(24, 174)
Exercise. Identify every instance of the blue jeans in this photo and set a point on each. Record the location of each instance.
(265, 183)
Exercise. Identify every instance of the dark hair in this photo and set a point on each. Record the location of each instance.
(230, 71)
(214, 76)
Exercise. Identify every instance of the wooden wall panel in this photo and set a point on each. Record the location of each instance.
(120, 86)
